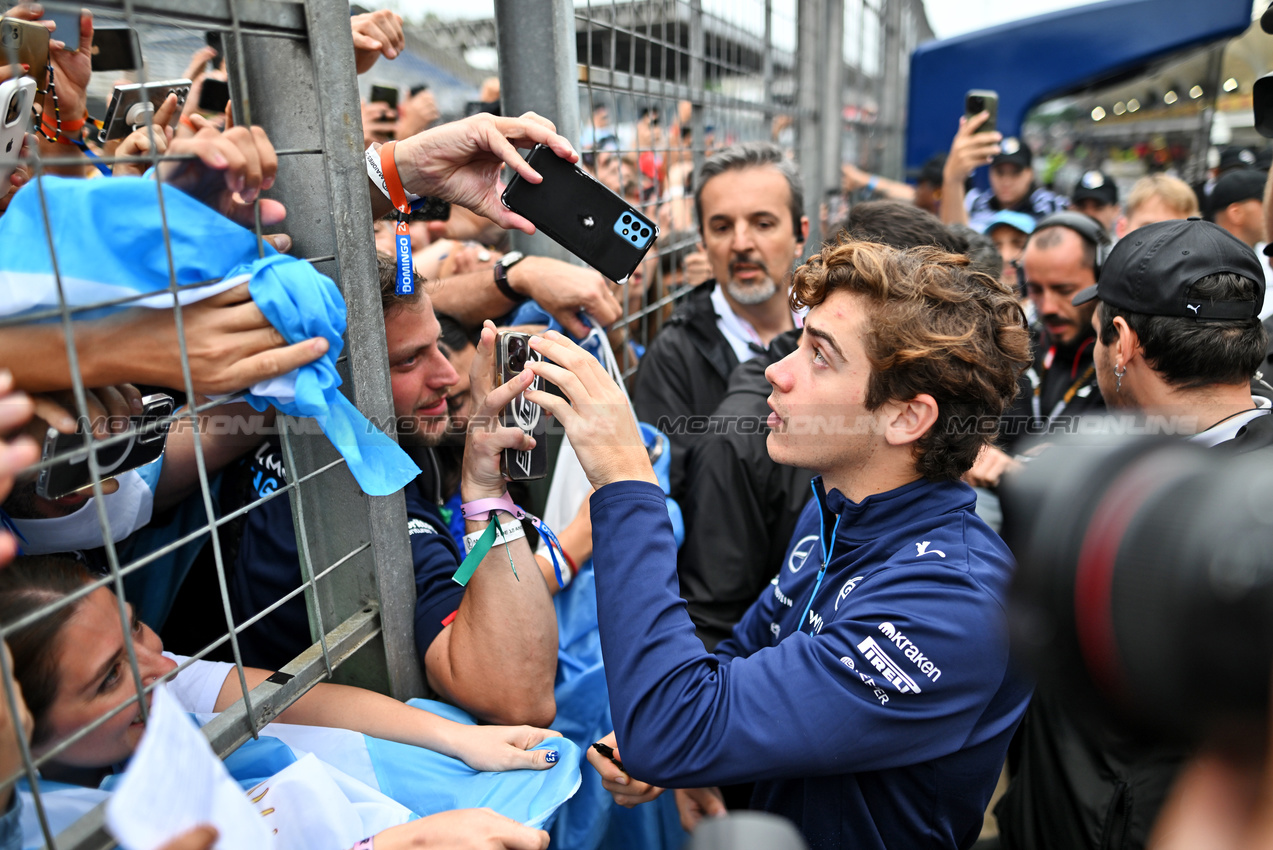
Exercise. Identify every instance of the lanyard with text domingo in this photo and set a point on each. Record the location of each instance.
(402, 234)
(1036, 405)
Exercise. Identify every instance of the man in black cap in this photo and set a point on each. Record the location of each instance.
(1012, 184)
(1237, 205)
(1095, 194)
(1179, 337)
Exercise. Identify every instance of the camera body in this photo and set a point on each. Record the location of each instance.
(1144, 590)
(512, 353)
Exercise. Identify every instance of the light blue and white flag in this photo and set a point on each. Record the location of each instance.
(109, 241)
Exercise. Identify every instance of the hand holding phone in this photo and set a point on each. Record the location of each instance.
(26, 43)
(582, 215)
(147, 436)
(512, 352)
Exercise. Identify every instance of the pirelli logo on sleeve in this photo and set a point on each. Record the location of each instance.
(887, 667)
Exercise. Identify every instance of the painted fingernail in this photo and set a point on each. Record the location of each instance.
(551, 756)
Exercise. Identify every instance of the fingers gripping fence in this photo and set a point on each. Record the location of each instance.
(290, 69)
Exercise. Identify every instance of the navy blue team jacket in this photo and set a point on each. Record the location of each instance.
(869, 692)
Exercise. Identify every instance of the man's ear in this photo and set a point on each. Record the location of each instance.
(1127, 347)
(907, 421)
(1120, 226)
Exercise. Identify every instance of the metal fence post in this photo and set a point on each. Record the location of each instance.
(329, 215)
(892, 109)
(808, 101)
(539, 72)
(831, 106)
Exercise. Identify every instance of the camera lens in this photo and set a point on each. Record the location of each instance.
(627, 219)
(516, 354)
(645, 233)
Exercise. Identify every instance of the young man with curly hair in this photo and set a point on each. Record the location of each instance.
(868, 692)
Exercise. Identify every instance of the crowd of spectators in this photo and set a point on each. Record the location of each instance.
(782, 556)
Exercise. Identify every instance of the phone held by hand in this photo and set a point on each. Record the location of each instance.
(978, 101)
(214, 95)
(387, 95)
(512, 352)
(579, 213)
(115, 49)
(147, 436)
(132, 106)
(26, 43)
(16, 97)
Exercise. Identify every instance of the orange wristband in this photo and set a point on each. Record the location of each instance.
(68, 127)
(393, 183)
(186, 122)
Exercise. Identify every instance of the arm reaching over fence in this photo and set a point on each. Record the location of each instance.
(460, 162)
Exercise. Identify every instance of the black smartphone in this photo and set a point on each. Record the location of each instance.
(145, 443)
(132, 105)
(978, 101)
(384, 94)
(26, 43)
(579, 213)
(115, 49)
(214, 95)
(512, 352)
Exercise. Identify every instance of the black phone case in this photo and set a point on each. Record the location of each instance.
(522, 414)
(149, 438)
(579, 213)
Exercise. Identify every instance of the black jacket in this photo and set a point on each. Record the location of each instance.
(683, 377)
(1072, 373)
(740, 507)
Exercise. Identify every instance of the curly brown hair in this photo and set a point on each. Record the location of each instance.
(933, 325)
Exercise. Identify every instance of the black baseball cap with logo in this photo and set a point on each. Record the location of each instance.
(1152, 269)
(1096, 185)
(1013, 151)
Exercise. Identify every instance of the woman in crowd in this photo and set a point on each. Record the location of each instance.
(73, 669)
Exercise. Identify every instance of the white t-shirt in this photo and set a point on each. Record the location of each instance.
(198, 686)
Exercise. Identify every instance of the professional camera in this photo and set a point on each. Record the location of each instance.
(1144, 591)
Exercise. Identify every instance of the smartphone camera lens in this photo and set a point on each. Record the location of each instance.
(645, 233)
(516, 354)
(976, 105)
(627, 219)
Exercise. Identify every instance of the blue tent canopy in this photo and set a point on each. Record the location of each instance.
(1030, 61)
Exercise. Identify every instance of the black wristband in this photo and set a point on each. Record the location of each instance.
(501, 283)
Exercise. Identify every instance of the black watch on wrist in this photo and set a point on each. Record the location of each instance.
(502, 266)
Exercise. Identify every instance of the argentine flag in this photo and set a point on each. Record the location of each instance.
(108, 237)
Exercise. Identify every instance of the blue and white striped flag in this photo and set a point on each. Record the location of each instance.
(109, 241)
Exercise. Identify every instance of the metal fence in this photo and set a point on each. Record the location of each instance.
(290, 68)
(648, 89)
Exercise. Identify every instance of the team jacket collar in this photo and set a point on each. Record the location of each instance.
(882, 513)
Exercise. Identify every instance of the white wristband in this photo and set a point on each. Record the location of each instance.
(510, 529)
(566, 575)
(377, 176)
